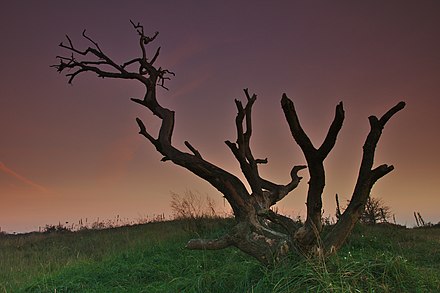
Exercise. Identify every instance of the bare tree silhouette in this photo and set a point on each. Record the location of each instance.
(259, 231)
(375, 211)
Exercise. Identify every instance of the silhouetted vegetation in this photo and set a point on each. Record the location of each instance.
(196, 212)
(56, 229)
(375, 211)
(192, 205)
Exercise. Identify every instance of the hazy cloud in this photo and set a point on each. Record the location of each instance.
(191, 86)
(117, 157)
(23, 179)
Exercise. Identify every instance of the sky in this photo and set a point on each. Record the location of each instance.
(71, 152)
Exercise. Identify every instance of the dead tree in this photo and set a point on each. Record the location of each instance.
(259, 231)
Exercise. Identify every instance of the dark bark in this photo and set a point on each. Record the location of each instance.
(366, 179)
(307, 235)
(259, 231)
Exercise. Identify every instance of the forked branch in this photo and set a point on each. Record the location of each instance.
(315, 160)
(366, 179)
(241, 149)
(249, 165)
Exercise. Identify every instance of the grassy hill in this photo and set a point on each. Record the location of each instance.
(152, 258)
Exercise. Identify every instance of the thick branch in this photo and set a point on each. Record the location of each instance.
(143, 131)
(297, 131)
(390, 113)
(366, 179)
(276, 191)
(315, 160)
(335, 127)
(241, 149)
(193, 150)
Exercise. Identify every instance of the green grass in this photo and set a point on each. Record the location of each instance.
(152, 258)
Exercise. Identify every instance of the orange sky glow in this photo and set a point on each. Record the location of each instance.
(73, 152)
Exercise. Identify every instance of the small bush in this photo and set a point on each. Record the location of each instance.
(196, 212)
(56, 229)
(192, 205)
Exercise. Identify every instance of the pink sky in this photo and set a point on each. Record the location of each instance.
(72, 152)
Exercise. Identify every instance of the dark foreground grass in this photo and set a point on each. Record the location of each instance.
(151, 258)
